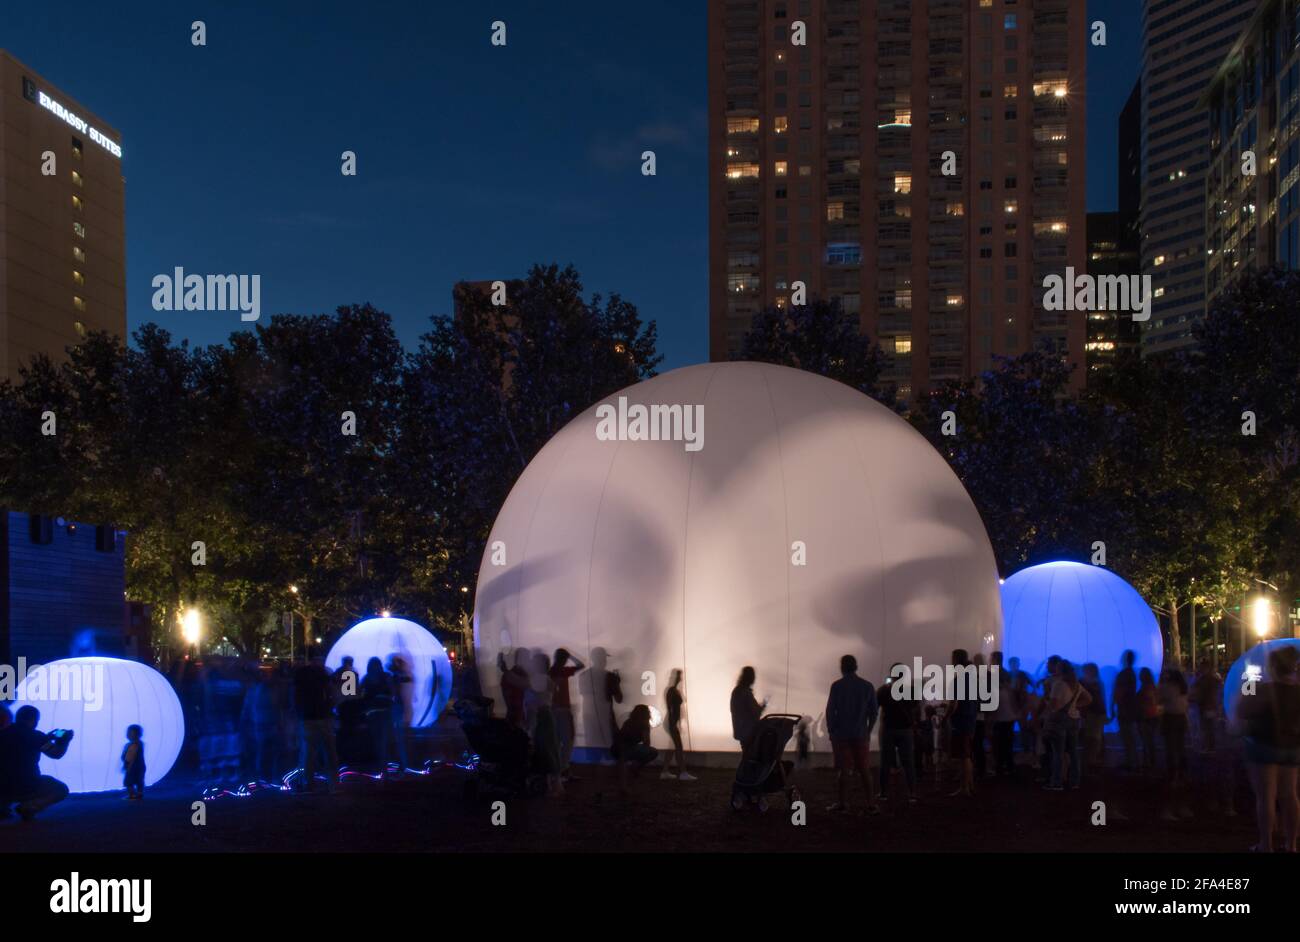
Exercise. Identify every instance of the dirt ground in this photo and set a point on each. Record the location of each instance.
(431, 813)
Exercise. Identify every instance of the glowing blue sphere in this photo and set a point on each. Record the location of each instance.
(1081, 613)
(98, 698)
(1253, 665)
(426, 660)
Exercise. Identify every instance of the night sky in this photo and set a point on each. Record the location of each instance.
(473, 161)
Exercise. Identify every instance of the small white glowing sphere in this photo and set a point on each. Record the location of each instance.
(1252, 666)
(425, 658)
(98, 698)
(1081, 613)
(799, 522)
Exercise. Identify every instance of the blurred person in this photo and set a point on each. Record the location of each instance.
(563, 668)
(377, 694)
(1207, 697)
(674, 701)
(1148, 704)
(546, 743)
(514, 685)
(1004, 720)
(1269, 721)
(312, 704)
(1062, 718)
(1094, 717)
(745, 708)
(1124, 709)
(133, 767)
(403, 692)
(850, 715)
(981, 728)
(21, 781)
(632, 744)
(1172, 692)
(964, 713)
(898, 719)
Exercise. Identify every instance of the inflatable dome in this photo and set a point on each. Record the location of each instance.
(733, 514)
(1083, 613)
(1254, 665)
(425, 658)
(98, 698)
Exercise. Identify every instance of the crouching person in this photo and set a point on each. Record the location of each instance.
(21, 781)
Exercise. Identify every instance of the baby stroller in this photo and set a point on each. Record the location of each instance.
(502, 750)
(762, 771)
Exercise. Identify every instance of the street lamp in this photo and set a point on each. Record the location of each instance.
(1261, 615)
(191, 626)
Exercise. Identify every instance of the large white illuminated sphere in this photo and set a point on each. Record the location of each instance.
(425, 658)
(813, 523)
(1252, 665)
(98, 698)
(1081, 613)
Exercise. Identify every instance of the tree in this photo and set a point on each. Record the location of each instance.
(820, 338)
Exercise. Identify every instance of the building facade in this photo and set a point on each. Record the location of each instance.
(62, 591)
(1183, 44)
(921, 160)
(1252, 220)
(62, 220)
(1110, 333)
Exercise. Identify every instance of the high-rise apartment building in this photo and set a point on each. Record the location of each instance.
(1183, 44)
(1110, 333)
(921, 160)
(1253, 219)
(62, 220)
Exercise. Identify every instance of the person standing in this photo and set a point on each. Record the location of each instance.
(898, 718)
(312, 701)
(850, 713)
(1148, 704)
(564, 667)
(514, 685)
(964, 711)
(1269, 718)
(674, 701)
(1172, 694)
(1062, 716)
(1207, 694)
(1094, 717)
(1004, 720)
(1124, 709)
(133, 766)
(745, 708)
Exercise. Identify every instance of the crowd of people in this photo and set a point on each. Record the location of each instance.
(1050, 730)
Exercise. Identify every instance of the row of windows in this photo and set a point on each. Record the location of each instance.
(40, 530)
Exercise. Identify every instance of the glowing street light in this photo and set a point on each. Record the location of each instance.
(191, 626)
(1261, 615)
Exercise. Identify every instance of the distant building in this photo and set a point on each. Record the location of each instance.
(62, 590)
(1253, 102)
(62, 220)
(827, 167)
(1183, 44)
(1109, 332)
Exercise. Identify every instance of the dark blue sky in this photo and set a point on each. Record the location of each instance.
(473, 161)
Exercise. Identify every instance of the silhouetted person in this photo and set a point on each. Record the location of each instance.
(514, 685)
(1004, 718)
(1148, 701)
(899, 717)
(745, 708)
(133, 762)
(21, 781)
(563, 668)
(1124, 708)
(403, 688)
(1064, 705)
(632, 744)
(1207, 695)
(962, 732)
(312, 702)
(673, 701)
(850, 714)
(1094, 717)
(1269, 718)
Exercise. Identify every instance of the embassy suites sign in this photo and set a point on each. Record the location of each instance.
(32, 93)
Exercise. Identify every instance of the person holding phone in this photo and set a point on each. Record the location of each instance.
(21, 781)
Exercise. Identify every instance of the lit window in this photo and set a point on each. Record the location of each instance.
(780, 55)
(1056, 87)
(1160, 292)
(80, 328)
(76, 203)
(1158, 260)
(903, 298)
(77, 180)
(805, 170)
(76, 148)
(903, 116)
(1010, 91)
(902, 183)
(742, 125)
(742, 171)
(903, 344)
(79, 230)
(1010, 206)
(1009, 21)
(78, 253)
(78, 278)
(782, 124)
(782, 168)
(955, 209)
(78, 303)
(834, 211)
